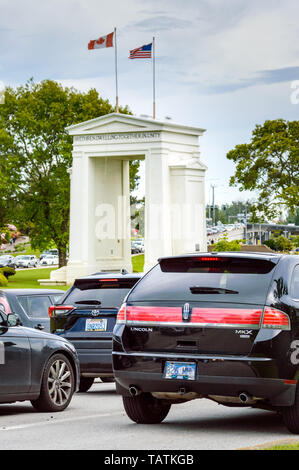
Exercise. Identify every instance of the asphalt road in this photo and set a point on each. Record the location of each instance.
(96, 420)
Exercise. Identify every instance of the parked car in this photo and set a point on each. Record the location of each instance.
(7, 260)
(86, 316)
(36, 366)
(134, 249)
(139, 244)
(52, 251)
(222, 326)
(49, 260)
(30, 305)
(26, 261)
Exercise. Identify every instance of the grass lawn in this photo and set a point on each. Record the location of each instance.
(29, 278)
(290, 446)
(138, 263)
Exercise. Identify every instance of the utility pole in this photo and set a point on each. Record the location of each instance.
(213, 202)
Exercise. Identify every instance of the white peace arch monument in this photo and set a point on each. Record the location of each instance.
(100, 229)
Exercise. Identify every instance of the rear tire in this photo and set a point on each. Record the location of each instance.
(85, 384)
(145, 409)
(58, 385)
(290, 415)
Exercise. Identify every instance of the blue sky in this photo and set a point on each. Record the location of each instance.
(223, 65)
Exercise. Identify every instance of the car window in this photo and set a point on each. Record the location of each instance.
(35, 306)
(108, 295)
(210, 279)
(295, 283)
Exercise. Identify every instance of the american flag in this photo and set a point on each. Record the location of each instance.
(142, 52)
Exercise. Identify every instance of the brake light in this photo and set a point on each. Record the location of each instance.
(108, 280)
(121, 315)
(245, 317)
(274, 318)
(147, 314)
(154, 314)
(204, 317)
(59, 310)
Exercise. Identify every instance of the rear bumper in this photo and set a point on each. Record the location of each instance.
(95, 355)
(224, 377)
(95, 362)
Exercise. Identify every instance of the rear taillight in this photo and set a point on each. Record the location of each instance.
(156, 315)
(121, 315)
(147, 314)
(227, 317)
(274, 318)
(55, 310)
(204, 317)
(200, 317)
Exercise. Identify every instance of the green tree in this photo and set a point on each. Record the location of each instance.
(35, 155)
(229, 213)
(280, 243)
(224, 244)
(269, 165)
(293, 218)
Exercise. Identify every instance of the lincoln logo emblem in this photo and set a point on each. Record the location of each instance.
(186, 312)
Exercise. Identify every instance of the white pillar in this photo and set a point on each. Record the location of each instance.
(81, 253)
(188, 215)
(157, 210)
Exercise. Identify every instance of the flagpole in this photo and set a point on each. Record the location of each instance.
(116, 80)
(154, 81)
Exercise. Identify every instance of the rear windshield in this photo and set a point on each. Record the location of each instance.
(207, 279)
(108, 294)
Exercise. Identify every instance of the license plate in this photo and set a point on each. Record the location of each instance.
(96, 324)
(180, 370)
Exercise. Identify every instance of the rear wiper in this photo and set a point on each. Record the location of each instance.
(88, 302)
(211, 290)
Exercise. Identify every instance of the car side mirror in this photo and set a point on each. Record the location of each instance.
(13, 320)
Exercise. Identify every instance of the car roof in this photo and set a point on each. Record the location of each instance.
(231, 254)
(32, 291)
(105, 275)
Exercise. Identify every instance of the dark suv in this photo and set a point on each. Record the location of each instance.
(86, 316)
(223, 326)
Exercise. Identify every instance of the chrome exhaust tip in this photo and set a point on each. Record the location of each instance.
(244, 397)
(134, 391)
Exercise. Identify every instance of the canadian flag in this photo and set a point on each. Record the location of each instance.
(103, 41)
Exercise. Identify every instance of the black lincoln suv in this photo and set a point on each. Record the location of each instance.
(221, 326)
(86, 316)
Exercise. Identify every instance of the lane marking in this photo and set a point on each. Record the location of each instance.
(52, 420)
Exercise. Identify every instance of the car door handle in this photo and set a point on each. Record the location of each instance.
(39, 327)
